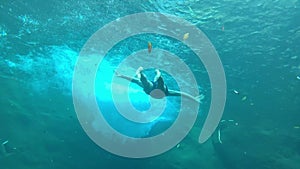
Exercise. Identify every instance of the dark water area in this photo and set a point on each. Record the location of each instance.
(258, 43)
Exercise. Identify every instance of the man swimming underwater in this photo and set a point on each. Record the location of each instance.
(157, 88)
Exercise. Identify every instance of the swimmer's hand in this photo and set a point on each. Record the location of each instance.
(199, 98)
(117, 74)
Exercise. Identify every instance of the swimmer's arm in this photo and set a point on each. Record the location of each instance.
(183, 94)
(131, 79)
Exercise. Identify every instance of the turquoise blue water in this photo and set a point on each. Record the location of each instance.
(258, 43)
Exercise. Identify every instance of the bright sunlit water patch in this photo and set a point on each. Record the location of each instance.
(50, 67)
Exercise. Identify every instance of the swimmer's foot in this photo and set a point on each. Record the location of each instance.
(138, 72)
(158, 74)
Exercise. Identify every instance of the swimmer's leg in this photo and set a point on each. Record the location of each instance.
(139, 71)
(147, 85)
(159, 80)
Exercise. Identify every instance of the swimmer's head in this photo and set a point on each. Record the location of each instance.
(157, 94)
